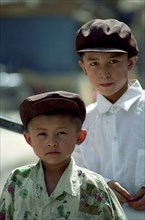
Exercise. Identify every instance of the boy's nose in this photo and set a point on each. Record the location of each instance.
(104, 73)
(52, 142)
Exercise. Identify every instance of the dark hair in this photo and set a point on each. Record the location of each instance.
(61, 112)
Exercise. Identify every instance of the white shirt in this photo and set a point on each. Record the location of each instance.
(115, 143)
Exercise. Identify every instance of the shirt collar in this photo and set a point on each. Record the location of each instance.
(125, 102)
(68, 182)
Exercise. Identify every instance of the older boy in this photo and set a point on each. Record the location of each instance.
(55, 188)
(115, 123)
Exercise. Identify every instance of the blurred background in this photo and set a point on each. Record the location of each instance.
(37, 54)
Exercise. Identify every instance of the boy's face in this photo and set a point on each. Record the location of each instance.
(53, 138)
(108, 72)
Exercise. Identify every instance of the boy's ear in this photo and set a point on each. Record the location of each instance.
(27, 137)
(132, 62)
(82, 136)
(82, 66)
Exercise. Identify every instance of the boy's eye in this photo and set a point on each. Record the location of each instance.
(61, 133)
(93, 64)
(113, 61)
(42, 134)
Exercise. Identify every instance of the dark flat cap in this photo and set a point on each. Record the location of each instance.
(42, 103)
(109, 35)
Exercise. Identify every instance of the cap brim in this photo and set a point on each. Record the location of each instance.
(50, 105)
(106, 50)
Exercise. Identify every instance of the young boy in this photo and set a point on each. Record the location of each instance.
(115, 123)
(55, 188)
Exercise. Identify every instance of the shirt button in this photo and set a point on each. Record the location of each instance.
(114, 109)
(115, 139)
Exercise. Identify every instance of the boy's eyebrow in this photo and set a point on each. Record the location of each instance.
(40, 129)
(115, 55)
(92, 58)
(59, 127)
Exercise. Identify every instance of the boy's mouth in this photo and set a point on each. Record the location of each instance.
(52, 153)
(106, 84)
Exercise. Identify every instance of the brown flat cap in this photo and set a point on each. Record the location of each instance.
(58, 100)
(109, 35)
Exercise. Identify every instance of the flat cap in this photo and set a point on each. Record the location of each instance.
(109, 35)
(42, 103)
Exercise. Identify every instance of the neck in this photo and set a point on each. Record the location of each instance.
(53, 173)
(113, 98)
(55, 169)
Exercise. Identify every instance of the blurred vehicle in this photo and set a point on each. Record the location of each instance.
(12, 90)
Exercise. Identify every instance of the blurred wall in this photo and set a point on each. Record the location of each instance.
(40, 43)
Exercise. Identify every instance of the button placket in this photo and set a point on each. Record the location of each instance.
(115, 148)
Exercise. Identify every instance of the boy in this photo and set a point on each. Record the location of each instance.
(55, 188)
(115, 123)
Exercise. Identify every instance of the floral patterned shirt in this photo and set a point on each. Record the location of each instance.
(79, 195)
